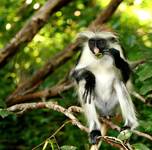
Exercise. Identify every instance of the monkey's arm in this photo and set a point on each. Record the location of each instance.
(89, 79)
(126, 105)
(121, 64)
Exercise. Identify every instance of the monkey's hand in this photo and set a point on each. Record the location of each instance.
(94, 134)
(112, 51)
(88, 94)
(120, 63)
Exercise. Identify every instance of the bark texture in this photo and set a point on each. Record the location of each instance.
(26, 34)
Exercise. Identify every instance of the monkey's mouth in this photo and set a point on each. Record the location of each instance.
(98, 52)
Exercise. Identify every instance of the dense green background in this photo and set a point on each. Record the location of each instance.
(132, 21)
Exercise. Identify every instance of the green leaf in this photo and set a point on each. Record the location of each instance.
(145, 72)
(4, 113)
(68, 147)
(146, 87)
(124, 135)
(140, 146)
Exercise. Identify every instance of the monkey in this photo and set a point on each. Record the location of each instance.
(101, 75)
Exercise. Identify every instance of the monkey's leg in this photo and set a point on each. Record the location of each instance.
(88, 105)
(86, 86)
(94, 124)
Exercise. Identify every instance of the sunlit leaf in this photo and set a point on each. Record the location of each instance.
(67, 147)
(140, 146)
(4, 113)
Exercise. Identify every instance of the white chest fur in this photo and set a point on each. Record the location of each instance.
(104, 72)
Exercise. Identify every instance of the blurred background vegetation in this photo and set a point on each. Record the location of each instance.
(133, 23)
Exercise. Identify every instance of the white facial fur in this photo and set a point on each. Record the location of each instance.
(104, 35)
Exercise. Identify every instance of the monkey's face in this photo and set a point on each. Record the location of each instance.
(97, 45)
(99, 42)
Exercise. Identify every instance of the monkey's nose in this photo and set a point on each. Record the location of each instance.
(96, 50)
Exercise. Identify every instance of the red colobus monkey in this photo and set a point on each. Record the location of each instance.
(101, 75)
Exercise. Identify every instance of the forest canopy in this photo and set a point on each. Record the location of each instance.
(38, 48)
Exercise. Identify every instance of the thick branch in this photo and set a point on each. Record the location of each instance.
(60, 58)
(46, 93)
(106, 14)
(55, 91)
(30, 29)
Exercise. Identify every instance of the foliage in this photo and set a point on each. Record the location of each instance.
(132, 22)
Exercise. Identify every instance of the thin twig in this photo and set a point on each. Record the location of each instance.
(141, 98)
(116, 127)
(135, 64)
(145, 135)
(53, 135)
(116, 142)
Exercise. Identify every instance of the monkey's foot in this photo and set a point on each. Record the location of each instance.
(125, 135)
(94, 134)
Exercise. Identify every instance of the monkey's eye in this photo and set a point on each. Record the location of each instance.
(92, 43)
(101, 43)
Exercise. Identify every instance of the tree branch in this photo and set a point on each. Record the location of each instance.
(30, 29)
(22, 108)
(58, 60)
(141, 98)
(46, 93)
(55, 91)
(61, 57)
(116, 127)
(111, 124)
(106, 14)
(115, 142)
